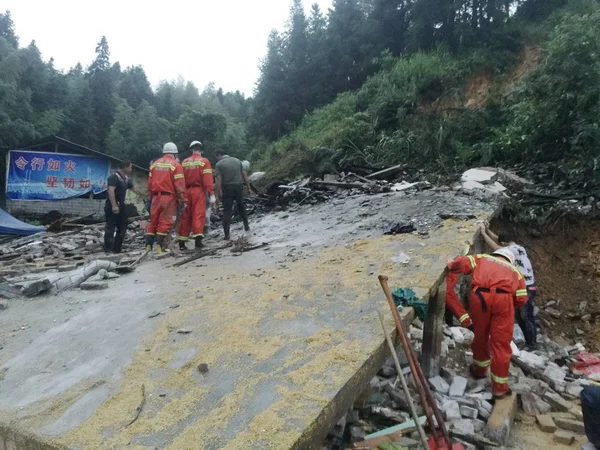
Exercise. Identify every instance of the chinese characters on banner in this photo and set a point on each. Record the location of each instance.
(53, 176)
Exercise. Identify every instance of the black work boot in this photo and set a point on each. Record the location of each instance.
(246, 226)
(182, 246)
(198, 242)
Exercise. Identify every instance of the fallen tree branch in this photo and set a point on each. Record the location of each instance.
(138, 410)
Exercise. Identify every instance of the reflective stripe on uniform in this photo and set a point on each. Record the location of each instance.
(482, 363)
(193, 164)
(150, 234)
(197, 235)
(167, 166)
(499, 380)
(473, 262)
(183, 238)
(178, 176)
(207, 171)
(463, 318)
(162, 234)
(522, 292)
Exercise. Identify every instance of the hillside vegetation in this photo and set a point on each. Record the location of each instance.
(539, 103)
(435, 84)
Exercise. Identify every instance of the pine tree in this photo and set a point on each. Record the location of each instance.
(7, 29)
(102, 84)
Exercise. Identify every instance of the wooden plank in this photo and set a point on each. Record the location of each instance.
(500, 423)
(374, 443)
(407, 426)
(385, 172)
(432, 330)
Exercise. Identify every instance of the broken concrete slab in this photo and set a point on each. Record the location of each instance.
(463, 426)
(557, 402)
(458, 386)
(468, 412)
(546, 423)
(500, 422)
(574, 389)
(563, 437)
(438, 384)
(282, 371)
(576, 413)
(534, 405)
(482, 176)
(554, 372)
(570, 425)
(452, 410)
(484, 413)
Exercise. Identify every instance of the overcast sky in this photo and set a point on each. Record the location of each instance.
(201, 40)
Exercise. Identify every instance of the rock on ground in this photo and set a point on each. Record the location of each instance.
(440, 385)
(546, 423)
(458, 387)
(563, 437)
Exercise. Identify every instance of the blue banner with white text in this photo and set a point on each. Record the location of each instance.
(53, 176)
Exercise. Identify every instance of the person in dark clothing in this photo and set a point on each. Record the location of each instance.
(229, 188)
(525, 316)
(116, 216)
(590, 406)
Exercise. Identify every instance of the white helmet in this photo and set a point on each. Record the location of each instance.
(196, 143)
(506, 253)
(246, 165)
(170, 148)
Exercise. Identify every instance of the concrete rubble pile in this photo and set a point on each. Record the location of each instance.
(547, 381)
(315, 190)
(57, 261)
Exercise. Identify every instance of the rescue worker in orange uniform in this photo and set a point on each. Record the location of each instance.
(198, 182)
(453, 303)
(166, 188)
(497, 289)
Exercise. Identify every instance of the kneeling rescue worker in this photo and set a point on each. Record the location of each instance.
(198, 181)
(497, 289)
(166, 188)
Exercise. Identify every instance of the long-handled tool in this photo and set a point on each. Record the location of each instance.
(413, 411)
(422, 387)
(131, 267)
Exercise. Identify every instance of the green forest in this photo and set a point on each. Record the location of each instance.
(436, 84)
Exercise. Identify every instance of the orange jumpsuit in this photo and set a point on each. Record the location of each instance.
(198, 181)
(166, 187)
(454, 304)
(497, 289)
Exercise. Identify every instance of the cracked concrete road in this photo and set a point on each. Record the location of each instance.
(289, 333)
